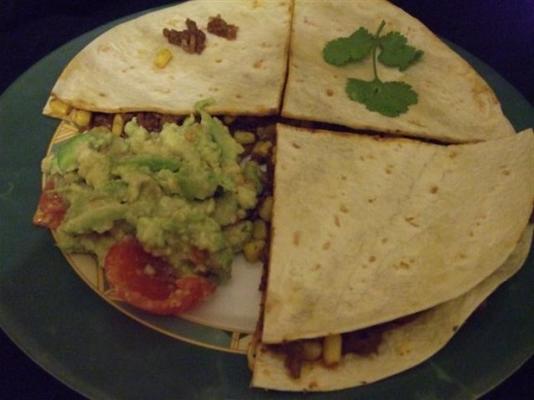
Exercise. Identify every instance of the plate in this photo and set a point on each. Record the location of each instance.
(50, 313)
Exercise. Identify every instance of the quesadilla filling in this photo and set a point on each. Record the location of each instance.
(192, 40)
(330, 349)
(220, 27)
(163, 202)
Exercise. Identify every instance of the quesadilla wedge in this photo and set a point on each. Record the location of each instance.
(134, 67)
(366, 230)
(400, 345)
(454, 104)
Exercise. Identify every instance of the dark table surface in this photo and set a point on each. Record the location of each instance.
(499, 32)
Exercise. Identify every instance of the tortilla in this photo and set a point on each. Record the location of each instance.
(455, 104)
(403, 347)
(116, 72)
(366, 230)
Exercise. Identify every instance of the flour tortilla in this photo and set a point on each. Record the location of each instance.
(367, 230)
(115, 73)
(455, 103)
(402, 348)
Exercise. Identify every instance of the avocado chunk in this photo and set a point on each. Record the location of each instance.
(153, 162)
(199, 184)
(95, 219)
(238, 234)
(226, 207)
(67, 152)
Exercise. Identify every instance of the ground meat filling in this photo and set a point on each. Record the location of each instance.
(363, 342)
(152, 122)
(192, 39)
(294, 356)
(102, 119)
(220, 27)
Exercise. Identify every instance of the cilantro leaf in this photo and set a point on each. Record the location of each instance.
(387, 98)
(353, 48)
(362, 43)
(396, 52)
(337, 52)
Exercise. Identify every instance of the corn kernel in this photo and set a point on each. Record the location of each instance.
(259, 230)
(332, 349)
(266, 209)
(262, 148)
(81, 117)
(59, 107)
(253, 249)
(311, 349)
(244, 137)
(163, 57)
(117, 125)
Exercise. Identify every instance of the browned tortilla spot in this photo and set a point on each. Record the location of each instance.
(296, 238)
(313, 385)
(411, 221)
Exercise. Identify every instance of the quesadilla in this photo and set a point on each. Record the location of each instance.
(383, 228)
(454, 105)
(381, 247)
(400, 345)
(244, 73)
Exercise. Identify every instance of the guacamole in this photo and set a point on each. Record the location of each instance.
(184, 193)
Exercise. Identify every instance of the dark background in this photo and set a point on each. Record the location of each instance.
(499, 32)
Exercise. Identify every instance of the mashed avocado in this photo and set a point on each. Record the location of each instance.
(180, 191)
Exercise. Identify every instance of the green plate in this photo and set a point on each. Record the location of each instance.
(50, 313)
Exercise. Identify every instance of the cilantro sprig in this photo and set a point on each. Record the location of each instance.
(390, 98)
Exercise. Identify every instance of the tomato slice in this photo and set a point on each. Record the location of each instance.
(149, 283)
(51, 209)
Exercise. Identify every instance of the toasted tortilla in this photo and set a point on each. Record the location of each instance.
(116, 72)
(366, 230)
(402, 347)
(455, 104)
